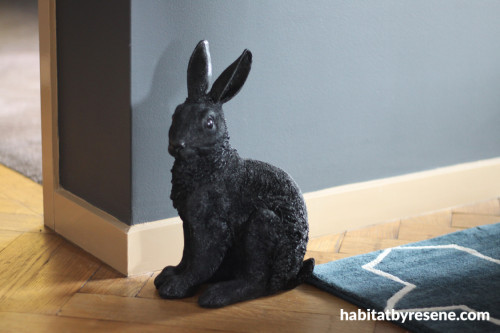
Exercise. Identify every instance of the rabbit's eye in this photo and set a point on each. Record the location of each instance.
(210, 123)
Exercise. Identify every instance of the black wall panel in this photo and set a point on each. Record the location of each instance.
(93, 51)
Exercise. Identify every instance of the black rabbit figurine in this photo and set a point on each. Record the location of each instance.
(244, 221)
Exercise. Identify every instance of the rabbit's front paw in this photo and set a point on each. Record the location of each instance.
(175, 287)
(165, 273)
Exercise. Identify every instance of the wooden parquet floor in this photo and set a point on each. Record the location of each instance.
(50, 285)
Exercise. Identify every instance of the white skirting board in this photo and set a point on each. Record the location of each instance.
(150, 246)
(358, 205)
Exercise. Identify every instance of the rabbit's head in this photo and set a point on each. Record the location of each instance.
(198, 125)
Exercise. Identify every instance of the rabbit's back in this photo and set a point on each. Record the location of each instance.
(268, 186)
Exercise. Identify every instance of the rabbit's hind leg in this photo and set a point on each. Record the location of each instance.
(258, 245)
(229, 292)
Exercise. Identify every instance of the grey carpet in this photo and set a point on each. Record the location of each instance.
(20, 130)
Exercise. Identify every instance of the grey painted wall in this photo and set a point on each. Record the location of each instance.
(340, 91)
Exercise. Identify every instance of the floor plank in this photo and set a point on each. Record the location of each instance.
(321, 257)
(460, 220)
(426, 226)
(23, 223)
(107, 281)
(306, 299)
(190, 315)
(489, 207)
(40, 272)
(149, 290)
(329, 243)
(29, 322)
(6, 237)
(30, 197)
(21, 189)
(8, 205)
(311, 300)
(359, 245)
(387, 327)
(381, 231)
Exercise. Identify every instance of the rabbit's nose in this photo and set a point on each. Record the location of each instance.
(175, 147)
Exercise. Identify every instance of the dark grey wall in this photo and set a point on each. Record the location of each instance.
(93, 55)
(340, 91)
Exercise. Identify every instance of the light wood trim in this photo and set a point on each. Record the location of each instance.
(154, 245)
(92, 229)
(357, 205)
(48, 89)
(131, 250)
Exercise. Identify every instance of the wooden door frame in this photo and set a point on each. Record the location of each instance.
(129, 249)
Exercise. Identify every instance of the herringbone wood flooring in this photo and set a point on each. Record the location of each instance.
(50, 285)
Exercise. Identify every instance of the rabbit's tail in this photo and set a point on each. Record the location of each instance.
(304, 273)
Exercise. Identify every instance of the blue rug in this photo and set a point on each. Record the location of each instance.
(458, 272)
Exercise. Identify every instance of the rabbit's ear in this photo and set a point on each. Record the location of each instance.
(199, 71)
(232, 79)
